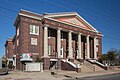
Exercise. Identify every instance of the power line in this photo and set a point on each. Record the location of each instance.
(73, 6)
(8, 9)
(7, 16)
(112, 38)
(100, 17)
(17, 11)
(57, 5)
(18, 5)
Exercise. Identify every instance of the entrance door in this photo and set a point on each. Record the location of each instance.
(53, 65)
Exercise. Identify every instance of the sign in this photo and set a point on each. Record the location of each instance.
(26, 57)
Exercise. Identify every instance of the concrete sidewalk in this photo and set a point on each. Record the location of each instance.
(46, 75)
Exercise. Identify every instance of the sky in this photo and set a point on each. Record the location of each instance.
(104, 15)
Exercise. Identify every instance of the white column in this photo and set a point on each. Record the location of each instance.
(45, 41)
(58, 42)
(95, 52)
(70, 44)
(88, 48)
(79, 46)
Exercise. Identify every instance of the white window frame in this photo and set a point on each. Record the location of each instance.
(33, 29)
(77, 54)
(17, 42)
(7, 51)
(17, 31)
(49, 49)
(97, 41)
(33, 41)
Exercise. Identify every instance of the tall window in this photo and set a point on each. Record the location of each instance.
(17, 42)
(49, 49)
(61, 35)
(61, 52)
(97, 41)
(17, 31)
(34, 29)
(49, 34)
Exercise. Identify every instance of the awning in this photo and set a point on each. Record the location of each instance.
(26, 59)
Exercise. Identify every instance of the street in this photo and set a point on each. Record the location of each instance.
(103, 77)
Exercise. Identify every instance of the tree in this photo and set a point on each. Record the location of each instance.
(104, 58)
(112, 54)
(110, 57)
(118, 57)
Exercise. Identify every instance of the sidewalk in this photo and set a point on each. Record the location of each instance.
(46, 75)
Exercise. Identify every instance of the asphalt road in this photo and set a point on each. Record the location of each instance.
(103, 77)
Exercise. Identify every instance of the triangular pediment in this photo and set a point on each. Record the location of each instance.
(72, 19)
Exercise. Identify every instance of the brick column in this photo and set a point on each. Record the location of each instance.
(88, 48)
(70, 44)
(79, 46)
(95, 52)
(58, 42)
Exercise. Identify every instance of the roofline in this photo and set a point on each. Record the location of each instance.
(87, 22)
(30, 16)
(59, 14)
(31, 12)
(9, 39)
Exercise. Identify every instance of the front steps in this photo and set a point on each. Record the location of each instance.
(86, 66)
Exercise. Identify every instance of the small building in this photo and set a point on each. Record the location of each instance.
(9, 52)
(54, 38)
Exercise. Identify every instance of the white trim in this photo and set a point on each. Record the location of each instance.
(26, 59)
(30, 12)
(86, 22)
(29, 16)
(69, 24)
(53, 60)
(71, 63)
(68, 14)
(58, 15)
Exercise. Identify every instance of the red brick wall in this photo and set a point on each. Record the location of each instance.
(25, 38)
(9, 49)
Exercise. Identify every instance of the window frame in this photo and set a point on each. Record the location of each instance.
(49, 50)
(34, 29)
(33, 42)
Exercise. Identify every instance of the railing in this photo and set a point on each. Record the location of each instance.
(98, 63)
(71, 63)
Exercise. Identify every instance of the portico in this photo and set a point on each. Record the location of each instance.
(77, 45)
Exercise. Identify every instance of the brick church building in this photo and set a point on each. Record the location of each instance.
(56, 38)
